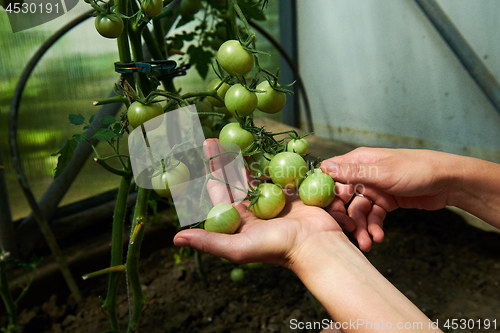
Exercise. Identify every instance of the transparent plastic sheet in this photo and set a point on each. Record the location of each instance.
(177, 136)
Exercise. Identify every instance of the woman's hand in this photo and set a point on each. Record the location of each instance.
(271, 241)
(388, 179)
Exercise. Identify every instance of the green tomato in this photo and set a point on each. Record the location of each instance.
(239, 100)
(318, 189)
(221, 91)
(109, 26)
(270, 203)
(176, 177)
(237, 274)
(259, 165)
(191, 7)
(139, 113)
(234, 58)
(232, 137)
(223, 218)
(152, 7)
(271, 100)
(287, 169)
(299, 146)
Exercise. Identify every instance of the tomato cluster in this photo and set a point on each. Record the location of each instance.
(274, 164)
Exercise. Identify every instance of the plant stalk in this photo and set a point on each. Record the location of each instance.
(133, 256)
(109, 304)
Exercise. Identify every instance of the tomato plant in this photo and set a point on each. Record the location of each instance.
(240, 101)
(223, 218)
(270, 100)
(234, 58)
(175, 176)
(299, 146)
(270, 201)
(232, 136)
(109, 26)
(219, 21)
(221, 91)
(318, 189)
(287, 169)
(138, 113)
(152, 7)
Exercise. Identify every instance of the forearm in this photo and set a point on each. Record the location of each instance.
(353, 292)
(475, 188)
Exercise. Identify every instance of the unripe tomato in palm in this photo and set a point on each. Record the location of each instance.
(237, 274)
(152, 7)
(299, 146)
(223, 218)
(271, 100)
(212, 85)
(270, 203)
(191, 7)
(259, 165)
(233, 138)
(138, 113)
(318, 189)
(109, 26)
(240, 101)
(176, 177)
(234, 58)
(287, 169)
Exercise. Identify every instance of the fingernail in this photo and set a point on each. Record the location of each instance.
(329, 167)
(181, 241)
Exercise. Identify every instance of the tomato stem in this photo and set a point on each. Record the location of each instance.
(117, 268)
(109, 304)
(110, 100)
(133, 256)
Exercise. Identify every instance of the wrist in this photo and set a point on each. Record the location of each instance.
(349, 287)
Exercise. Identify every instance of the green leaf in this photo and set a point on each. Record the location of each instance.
(103, 134)
(65, 155)
(200, 58)
(79, 137)
(117, 127)
(251, 10)
(185, 19)
(107, 120)
(76, 119)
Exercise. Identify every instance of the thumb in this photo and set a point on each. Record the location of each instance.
(350, 173)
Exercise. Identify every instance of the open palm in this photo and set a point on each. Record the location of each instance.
(270, 241)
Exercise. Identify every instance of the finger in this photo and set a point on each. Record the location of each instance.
(358, 211)
(231, 247)
(230, 183)
(345, 222)
(344, 192)
(381, 198)
(351, 173)
(375, 220)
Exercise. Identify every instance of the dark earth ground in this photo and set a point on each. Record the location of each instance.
(446, 267)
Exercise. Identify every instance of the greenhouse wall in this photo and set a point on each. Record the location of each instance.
(379, 74)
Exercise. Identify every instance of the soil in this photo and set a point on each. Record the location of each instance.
(446, 267)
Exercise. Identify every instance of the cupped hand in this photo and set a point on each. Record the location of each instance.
(270, 241)
(387, 179)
